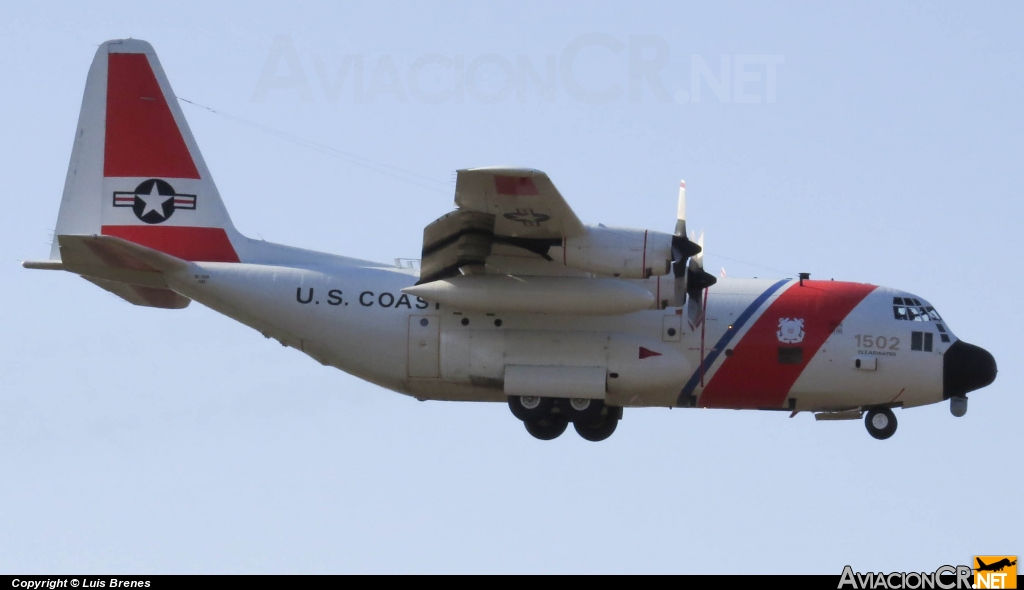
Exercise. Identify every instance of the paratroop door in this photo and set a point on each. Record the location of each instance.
(424, 345)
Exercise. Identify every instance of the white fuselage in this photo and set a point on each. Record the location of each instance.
(745, 355)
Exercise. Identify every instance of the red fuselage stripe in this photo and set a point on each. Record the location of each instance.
(753, 376)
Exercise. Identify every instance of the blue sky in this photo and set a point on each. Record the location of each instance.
(871, 142)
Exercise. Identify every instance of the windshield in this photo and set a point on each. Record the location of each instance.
(914, 310)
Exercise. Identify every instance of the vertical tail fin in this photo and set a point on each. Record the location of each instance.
(136, 172)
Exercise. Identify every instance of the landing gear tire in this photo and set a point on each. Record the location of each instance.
(530, 407)
(597, 429)
(880, 422)
(583, 409)
(547, 427)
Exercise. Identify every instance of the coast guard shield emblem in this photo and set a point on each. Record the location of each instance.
(791, 331)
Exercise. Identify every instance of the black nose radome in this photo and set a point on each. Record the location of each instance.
(966, 367)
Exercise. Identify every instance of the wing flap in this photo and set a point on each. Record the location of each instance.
(459, 240)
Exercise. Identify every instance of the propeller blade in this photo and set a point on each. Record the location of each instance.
(681, 211)
(682, 247)
(682, 272)
(695, 310)
(697, 260)
(697, 279)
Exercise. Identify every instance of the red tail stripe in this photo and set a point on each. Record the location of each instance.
(195, 244)
(142, 139)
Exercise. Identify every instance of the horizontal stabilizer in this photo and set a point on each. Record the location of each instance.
(144, 296)
(82, 254)
(43, 264)
(132, 272)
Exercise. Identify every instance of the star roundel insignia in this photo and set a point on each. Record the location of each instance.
(154, 200)
(791, 330)
(527, 217)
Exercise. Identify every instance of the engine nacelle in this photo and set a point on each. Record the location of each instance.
(620, 252)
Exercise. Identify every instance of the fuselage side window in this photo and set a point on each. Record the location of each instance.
(923, 341)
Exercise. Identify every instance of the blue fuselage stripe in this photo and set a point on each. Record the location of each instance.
(726, 338)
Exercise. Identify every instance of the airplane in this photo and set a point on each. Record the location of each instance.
(994, 567)
(516, 301)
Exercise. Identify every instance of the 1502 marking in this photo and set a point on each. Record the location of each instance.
(879, 342)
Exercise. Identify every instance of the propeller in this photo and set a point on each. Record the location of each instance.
(691, 278)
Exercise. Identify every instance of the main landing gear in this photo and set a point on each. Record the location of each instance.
(880, 422)
(547, 418)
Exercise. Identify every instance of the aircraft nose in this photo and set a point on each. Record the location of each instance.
(966, 367)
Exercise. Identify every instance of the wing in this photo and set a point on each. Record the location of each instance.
(524, 202)
(506, 222)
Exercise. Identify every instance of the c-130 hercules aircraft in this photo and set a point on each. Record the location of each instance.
(516, 300)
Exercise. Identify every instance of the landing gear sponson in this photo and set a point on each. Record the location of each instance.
(547, 418)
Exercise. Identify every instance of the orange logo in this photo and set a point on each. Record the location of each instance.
(995, 571)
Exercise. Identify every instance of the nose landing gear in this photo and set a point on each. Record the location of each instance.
(880, 422)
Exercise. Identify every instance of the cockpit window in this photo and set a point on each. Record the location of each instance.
(911, 309)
